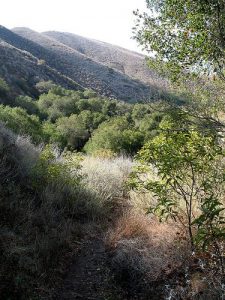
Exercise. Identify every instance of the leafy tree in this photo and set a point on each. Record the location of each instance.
(57, 104)
(28, 104)
(89, 94)
(149, 124)
(91, 120)
(132, 141)
(73, 130)
(116, 135)
(109, 108)
(45, 86)
(186, 40)
(92, 104)
(52, 135)
(186, 176)
(4, 88)
(185, 35)
(21, 122)
(139, 111)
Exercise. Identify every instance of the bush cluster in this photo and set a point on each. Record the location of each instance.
(82, 121)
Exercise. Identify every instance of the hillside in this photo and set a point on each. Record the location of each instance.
(84, 70)
(109, 70)
(103, 196)
(22, 71)
(130, 63)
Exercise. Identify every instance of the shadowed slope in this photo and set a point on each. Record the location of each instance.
(22, 71)
(128, 62)
(87, 72)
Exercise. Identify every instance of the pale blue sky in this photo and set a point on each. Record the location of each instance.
(107, 20)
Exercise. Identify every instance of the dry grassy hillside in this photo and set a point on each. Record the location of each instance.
(105, 80)
(125, 61)
(22, 71)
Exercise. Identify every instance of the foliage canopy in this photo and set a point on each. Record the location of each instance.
(185, 36)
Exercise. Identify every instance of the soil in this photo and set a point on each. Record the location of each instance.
(89, 277)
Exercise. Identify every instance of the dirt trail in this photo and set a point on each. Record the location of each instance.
(89, 277)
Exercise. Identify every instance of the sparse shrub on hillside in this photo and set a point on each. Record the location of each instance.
(41, 62)
(4, 88)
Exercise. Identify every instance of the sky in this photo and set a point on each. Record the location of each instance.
(106, 20)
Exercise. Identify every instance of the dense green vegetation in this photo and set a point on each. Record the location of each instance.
(187, 36)
(82, 121)
(190, 183)
(183, 166)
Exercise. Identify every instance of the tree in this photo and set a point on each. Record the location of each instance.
(29, 104)
(73, 130)
(4, 88)
(185, 36)
(139, 111)
(45, 86)
(116, 135)
(21, 122)
(186, 177)
(52, 135)
(88, 93)
(57, 103)
(186, 40)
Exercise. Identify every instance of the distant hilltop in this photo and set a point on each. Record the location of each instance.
(75, 62)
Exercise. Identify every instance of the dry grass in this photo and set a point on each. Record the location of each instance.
(154, 259)
(38, 225)
(140, 201)
(145, 249)
(79, 67)
(106, 179)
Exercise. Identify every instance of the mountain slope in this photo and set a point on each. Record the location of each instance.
(74, 63)
(128, 62)
(84, 70)
(22, 72)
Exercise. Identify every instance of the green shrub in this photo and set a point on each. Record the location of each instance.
(4, 88)
(20, 122)
(28, 104)
(41, 199)
(184, 170)
(115, 135)
(53, 169)
(74, 130)
(56, 105)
